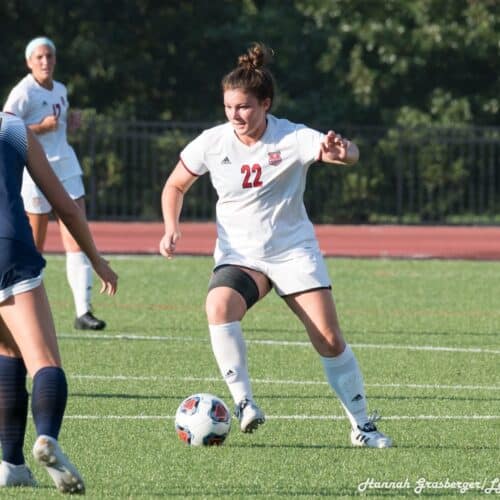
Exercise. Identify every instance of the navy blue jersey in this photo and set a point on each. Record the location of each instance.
(14, 223)
(20, 261)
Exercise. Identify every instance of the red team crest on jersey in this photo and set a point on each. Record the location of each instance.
(274, 158)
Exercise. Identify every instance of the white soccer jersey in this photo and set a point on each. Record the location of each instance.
(260, 208)
(31, 102)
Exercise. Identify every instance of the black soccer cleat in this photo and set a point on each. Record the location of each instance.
(89, 322)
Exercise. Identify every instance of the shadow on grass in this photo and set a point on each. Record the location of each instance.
(128, 396)
(326, 398)
(431, 398)
(417, 334)
(299, 330)
(394, 449)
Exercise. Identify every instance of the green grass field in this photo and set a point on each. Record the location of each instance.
(426, 334)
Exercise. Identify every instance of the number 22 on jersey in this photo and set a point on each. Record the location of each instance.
(251, 176)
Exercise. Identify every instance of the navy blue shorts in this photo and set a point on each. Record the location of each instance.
(20, 267)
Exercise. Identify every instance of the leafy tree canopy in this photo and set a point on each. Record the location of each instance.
(350, 61)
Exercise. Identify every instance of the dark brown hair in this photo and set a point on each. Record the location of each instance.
(252, 75)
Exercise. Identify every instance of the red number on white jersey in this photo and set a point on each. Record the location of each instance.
(249, 180)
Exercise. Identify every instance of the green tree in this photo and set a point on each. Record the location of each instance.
(401, 55)
(337, 61)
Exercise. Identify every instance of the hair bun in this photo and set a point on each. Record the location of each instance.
(257, 56)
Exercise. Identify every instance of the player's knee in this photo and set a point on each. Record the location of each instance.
(232, 292)
(335, 348)
(218, 309)
(328, 343)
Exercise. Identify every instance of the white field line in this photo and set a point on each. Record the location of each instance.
(155, 378)
(289, 417)
(470, 350)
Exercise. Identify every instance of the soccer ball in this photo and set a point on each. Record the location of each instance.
(203, 420)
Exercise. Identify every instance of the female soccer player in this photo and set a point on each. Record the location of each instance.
(28, 340)
(258, 165)
(43, 104)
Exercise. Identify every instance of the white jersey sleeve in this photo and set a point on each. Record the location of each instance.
(309, 144)
(206, 145)
(17, 102)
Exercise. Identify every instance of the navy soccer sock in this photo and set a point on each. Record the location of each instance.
(13, 408)
(48, 401)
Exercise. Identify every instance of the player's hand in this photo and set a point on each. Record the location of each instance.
(49, 123)
(334, 146)
(168, 243)
(109, 279)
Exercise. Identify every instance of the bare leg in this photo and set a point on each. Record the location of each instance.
(316, 309)
(225, 309)
(26, 331)
(30, 330)
(69, 243)
(39, 223)
(80, 278)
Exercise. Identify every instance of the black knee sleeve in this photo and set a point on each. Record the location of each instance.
(233, 277)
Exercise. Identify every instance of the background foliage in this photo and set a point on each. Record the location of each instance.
(380, 62)
(415, 84)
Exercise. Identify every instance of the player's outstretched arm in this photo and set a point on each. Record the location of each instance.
(68, 211)
(336, 149)
(172, 198)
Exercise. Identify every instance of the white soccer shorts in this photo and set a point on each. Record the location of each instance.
(35, 201)
(305, 271)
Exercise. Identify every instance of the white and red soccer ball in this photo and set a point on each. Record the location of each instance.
(203, 420)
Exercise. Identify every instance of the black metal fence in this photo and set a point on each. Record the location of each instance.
(411, 176)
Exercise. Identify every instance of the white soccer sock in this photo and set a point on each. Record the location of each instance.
(80, 276)
(345, 378)
(230, 352)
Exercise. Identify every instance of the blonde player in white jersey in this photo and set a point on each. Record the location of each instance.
(258, 165)
(42, 103)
